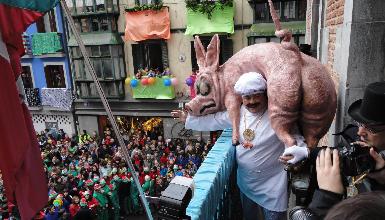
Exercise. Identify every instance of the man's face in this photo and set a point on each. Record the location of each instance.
(373, 135)
(255, 103)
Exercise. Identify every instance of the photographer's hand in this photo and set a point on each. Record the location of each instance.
(328, 171)
(379, 173)
(380, 162)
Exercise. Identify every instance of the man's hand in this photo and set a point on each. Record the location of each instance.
(328, 171)
(181, 115)
(380, 162)
(379, 176)
(294, 154)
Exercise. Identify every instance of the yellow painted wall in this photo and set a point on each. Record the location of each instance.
(180, 44)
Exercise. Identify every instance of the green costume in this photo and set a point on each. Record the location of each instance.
(106, 189)
(103, 205)
(134, 198)
(114, 203)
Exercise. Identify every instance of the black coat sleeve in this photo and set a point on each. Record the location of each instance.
(323, 200)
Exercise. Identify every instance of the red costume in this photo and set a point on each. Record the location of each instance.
(74, 208)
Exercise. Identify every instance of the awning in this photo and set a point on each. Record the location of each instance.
(268, 29)
(147, 24)
(92, 39)
(222, 21)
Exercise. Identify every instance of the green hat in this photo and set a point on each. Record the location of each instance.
(83, 202)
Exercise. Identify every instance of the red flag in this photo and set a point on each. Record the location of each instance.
(20, 161)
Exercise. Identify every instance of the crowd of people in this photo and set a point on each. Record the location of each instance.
(89, 179)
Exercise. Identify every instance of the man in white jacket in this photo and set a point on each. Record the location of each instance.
(260, 157)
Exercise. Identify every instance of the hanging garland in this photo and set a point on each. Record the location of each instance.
(154, 7)
(207, 6)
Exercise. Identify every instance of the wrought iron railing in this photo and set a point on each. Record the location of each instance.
(27, 44)
(60, 98)
(32, 96)
(216, 195)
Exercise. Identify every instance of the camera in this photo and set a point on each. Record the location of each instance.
(355, 160)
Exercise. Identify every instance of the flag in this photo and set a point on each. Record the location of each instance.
(147, 24)
(20, 161)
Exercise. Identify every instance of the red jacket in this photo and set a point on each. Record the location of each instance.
(163, 160)
(74, 208)
(93, 204)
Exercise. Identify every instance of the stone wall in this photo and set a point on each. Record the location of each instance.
(351, 43)
(334, 19)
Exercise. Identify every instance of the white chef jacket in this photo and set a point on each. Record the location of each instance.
(260, 176)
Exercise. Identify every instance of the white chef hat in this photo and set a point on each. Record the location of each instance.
(250, 83)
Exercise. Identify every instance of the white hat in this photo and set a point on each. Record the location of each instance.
(250, 83)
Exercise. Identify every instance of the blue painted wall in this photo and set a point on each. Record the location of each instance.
(37, 62)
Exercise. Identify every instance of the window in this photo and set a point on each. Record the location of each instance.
(100, 23)
(92, 6)
(226, 48)
(47, 23)
(287, 10)
(109, 67)
(54, 75)
(150, 54)
(85, 25)
(296, 38)
(26, 77)
(147, 2)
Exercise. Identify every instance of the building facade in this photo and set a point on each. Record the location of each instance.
(46, 73)
(348, 37)
(102, 24)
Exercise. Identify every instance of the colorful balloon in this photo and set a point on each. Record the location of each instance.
(167, 82)
(134, 83)
(189, 81)
(151, 80)
(174, 81)
(127, 81)
(144, 81)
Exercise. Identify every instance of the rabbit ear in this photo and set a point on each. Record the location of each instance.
(200, 52)
(212, 55)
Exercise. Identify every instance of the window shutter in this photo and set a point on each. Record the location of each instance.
(226, 49)
(52, 20)
(163, 46)
(62, 77)
(48, 77)
(137, 56)
(40, 25)
(193, 57)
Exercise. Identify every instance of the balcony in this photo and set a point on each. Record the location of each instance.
(59, 98)
(46, 43)
(147, 24)
(33, 97)
(156, 90)
(221, 20)
(215, 194)
(27, 44)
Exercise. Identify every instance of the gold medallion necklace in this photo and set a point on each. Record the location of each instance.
(249, 134)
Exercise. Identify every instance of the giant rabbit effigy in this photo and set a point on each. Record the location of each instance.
(301, 93)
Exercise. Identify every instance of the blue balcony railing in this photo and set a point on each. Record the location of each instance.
(215, 194)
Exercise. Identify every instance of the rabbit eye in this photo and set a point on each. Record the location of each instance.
(197, 88)
(204, 88)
